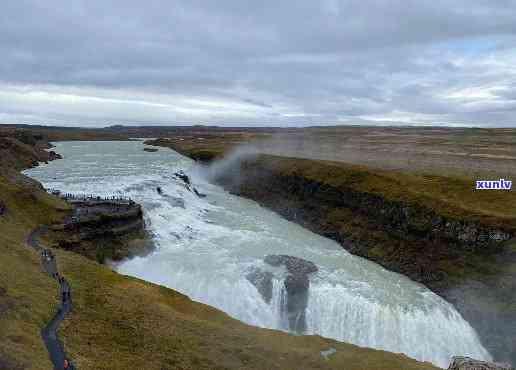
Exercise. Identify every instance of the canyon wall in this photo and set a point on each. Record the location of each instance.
(466, 256)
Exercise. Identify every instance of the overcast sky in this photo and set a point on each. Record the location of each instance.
(240, 62)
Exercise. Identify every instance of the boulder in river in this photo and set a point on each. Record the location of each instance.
(52, 156)
(297, 284)
(199, 194)
(186, 179)
(183, 177)
(466, 363)
(294, 265)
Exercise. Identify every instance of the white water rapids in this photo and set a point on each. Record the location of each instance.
(207, 246)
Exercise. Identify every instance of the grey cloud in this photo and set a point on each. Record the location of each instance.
(247, 62)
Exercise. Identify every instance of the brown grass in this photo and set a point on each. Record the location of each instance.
(453, 197)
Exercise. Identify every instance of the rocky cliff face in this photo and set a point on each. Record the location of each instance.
(103, 229)
(466, 363)
(468, 260)
(20, 149)
(396, 217)
(346, 215)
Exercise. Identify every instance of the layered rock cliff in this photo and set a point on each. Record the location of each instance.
(103, 229)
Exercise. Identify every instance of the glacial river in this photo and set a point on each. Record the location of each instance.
(205, 248)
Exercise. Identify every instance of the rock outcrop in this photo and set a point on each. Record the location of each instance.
(103, 229)
(21, 149)
(297, 284)
(262, 280)
(181, 176)
(466, 363)
(52, 156)
(398, 217)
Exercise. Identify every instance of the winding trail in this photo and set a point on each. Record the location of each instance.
(49, 332)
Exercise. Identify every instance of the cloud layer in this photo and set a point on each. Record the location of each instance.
(239, 62)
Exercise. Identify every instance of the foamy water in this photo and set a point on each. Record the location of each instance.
(206, 247)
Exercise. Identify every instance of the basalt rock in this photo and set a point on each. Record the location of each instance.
(199, 194)
(104, 230)
(262, 280)
(52, 156)
(188, 184)
(297, 197)
(294, 265)
(466, 363)
(297, 284)
(183, 177)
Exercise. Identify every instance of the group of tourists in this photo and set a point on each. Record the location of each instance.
(49, 264)
(90, 197)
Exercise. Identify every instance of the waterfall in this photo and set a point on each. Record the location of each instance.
(279, 304)
(434, 333)
(206, 248)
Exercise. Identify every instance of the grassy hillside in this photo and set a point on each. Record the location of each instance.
(50, 133)
(27, 296)
(453, 197)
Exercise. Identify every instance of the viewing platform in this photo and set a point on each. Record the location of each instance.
(101, 227)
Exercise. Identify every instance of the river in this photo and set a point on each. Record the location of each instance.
(205, 248)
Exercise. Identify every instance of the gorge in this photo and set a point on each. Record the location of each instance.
(206, 248)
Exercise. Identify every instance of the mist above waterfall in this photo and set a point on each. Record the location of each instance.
(228, 164)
